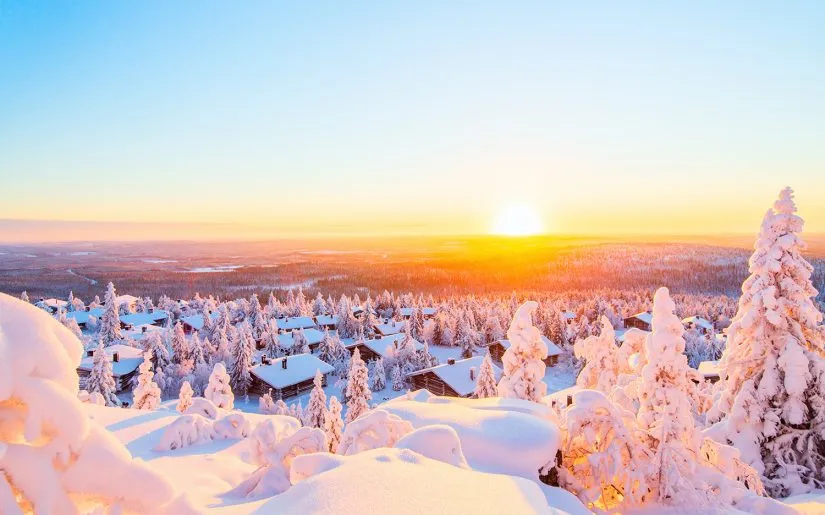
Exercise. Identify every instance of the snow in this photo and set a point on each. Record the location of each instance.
(82, 317)
(644, 316)
(214, 269)
(323, 320)
(698, 321)
(300, 367)
(139, 319)
(390, 328)
(312, 335)
(129, 359)
(709, 369)
(196, 321)
(552, 348)
(427, 312)
(504, 436)
(401, 481)
(380, 345)
(457, 375)
(291, 323)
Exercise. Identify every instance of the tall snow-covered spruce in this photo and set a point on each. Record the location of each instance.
(317, 407)
(358, 389)
(486, 384)
(772, 399)
(147, 393)
(101, 379)
(110, 321)
(523, 366)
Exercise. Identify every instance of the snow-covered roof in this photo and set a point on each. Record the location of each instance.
(300, 367)
(327, 319)
(379, 345)
(136, 319)
(391, 327)
(698, 321)
(196, 321)
(125, 299)
(139, 332)
(708, 369)
(457, 375)
(408, 312)
(552, 348)
(568, 315)
(129, 357)
(52, 303)
(624, 334)
(81, 317)
(290, 323)
(313, 336)
(644, 316)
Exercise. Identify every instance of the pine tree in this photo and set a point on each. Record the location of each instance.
(281, 408)
(266, 405)
(101, 379)
(319, 307)
(219, 390)
(181, 351)
(317, 407)
(197, 355)
(300, 345)
(465, 338)
(160, 354)
(397, 379)
(378, 377)
(110, 321)
(222, 352)
(257, 320)
(147, 393)
(185, 397)
(358, 390)
(523, 366)
(333, 424)
(272, 340)
(242, 362)
(601, 357)
(24, 296)
(486, 383)
(772, 400)
(417, 324)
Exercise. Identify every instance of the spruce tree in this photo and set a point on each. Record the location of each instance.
(317, 407)
(110, 321)
(358, 390)
(486, 382)
(523, 376)
(333, 424)
(185, 397)
(378, 377)
(147, 393)
(101, 379)
(397, 379)
(242, 362)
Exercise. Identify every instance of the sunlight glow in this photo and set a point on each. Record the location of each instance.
(517, 220)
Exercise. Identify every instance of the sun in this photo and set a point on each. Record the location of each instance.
(517, 220)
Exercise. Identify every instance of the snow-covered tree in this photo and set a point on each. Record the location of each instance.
(523, 366)
(147, 393)
(772, 401)
(271, 340)
(601, 359)
(110, 321)
(333, 424)
(358, 390)
(300, 344)
(219, 390)
(24, 296)
(486, 383)
(242, 362)
(281, 408)
(184, 397)
(397, 379)
(181, 350)
(465, 337)
(101, 379)
(378, 428)
(266, 405)
(378, 376)
(317, 407)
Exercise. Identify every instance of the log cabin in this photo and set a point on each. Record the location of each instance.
(641, 321)
(456, 378)
(288, 376)
(498, 348)
(377, 346)
(125, 362)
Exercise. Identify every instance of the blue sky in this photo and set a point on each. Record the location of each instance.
(430, 116)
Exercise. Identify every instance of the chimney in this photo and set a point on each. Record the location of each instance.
(472, 373)
(569, 400)
(90, 353)
(143, 329)
(451, 361)
(115, 357)
(283, 363)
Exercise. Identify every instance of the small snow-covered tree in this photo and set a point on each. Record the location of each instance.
(24, 296)
(101, 379)
(242, 362)
(358, 390)
(185, 397)
(523, 366)
(333, 424)
(600, 354)
(772, 397)
(181, 351)
(378, 428)
(317, 407)
(147, 393)
(271, 340)
(266, 405)
(378, 376)
(110, 321)
(300, 344)
(486, 383)
(397, 379)
(281, 408)
(219, 390)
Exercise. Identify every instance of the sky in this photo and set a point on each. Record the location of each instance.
(409, 117)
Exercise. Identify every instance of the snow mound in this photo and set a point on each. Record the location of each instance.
(185, 431)
(376, 428)
(401, 481)
(505, 436)
(203, 407)
(438, 442)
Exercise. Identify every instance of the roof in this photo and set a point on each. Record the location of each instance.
(290, 323)
(698, 321)
(327, 319)
(568, 315)
(552, 348)
(709, 369)
(457, 375)
(52, 303)
(83, 316)
(644, 316)
(313, 336)
(139, 332)
(300, 367)
(196, 321)
(624, 334)
(130, 359)
(379, 345)
(408, 312)
(125, 299)
(392, 327)
(136, 319)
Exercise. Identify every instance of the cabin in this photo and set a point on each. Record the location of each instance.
(313, 336)
(52, 305)
(139, 332)
(703, 325)
(194, 323)
(329, 322)
(498, 348)
(428, 313)
(288, 376)
(710, 370)
(456, 378)
(291, 323)
(82, 317)
(568, 316)
(125, 362)
(634, 335)
(641, 321)
(377, 346)
(389, 327)
(155, 317)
